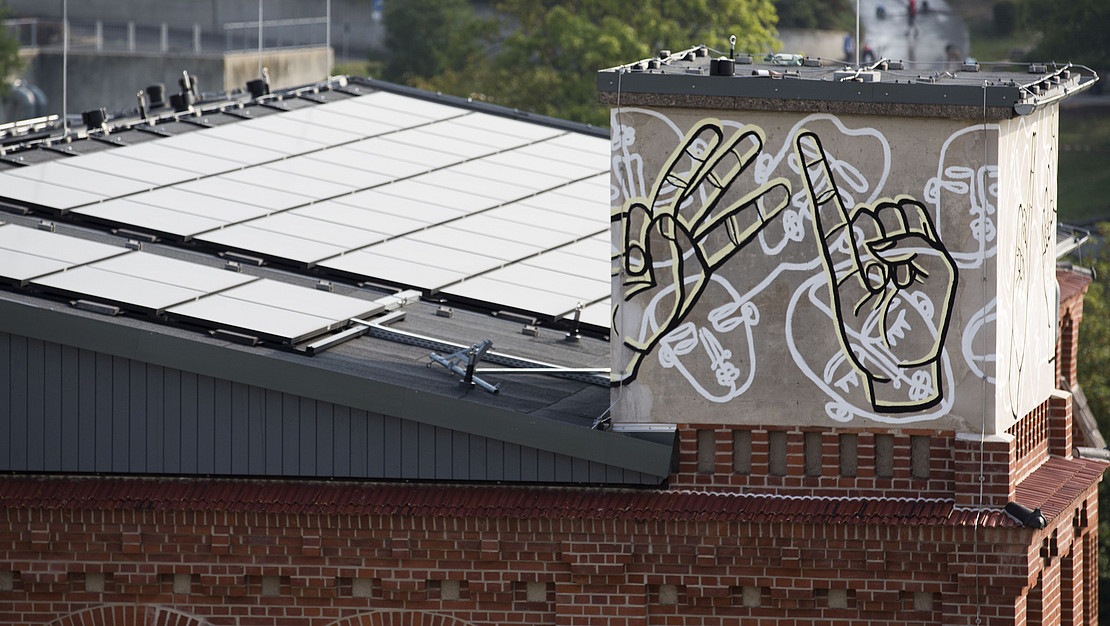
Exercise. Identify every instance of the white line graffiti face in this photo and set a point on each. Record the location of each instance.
(714, 350)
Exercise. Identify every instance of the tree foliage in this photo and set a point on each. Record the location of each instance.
(547, 58)
(811, 13)
(432, 37)
(1071, 31)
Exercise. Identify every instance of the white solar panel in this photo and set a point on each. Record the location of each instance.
(308, 166)
(445, 237)
(423, 137)
(236, 191)
(599, 314)
(297, 129)
(487, 170)
(533, 236)
(219, 209)
(417, 189)
(55, 246)
(115, 163)
(452, 129)
(466, 262)
(43, 194)
(372, 221)
(286, 145)
(527, 159)
(58, 172)
(305, 227)
(378, 201)
(352, 156)
(275, 310)
(172, 271)
(391, 269)
(523, 213)
(178, 158)
(493, 291)
(130, 291)
(506, 126)
(394, 148)
(270, 244)
(499, 190)
(149, 218)
(412, 106)
(20, 267)
(265, 176)
(222, 145)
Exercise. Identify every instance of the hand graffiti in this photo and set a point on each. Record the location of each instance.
(891, 284)
(687, 229)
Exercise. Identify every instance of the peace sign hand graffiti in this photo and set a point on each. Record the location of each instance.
(675, 240)
(891, 284)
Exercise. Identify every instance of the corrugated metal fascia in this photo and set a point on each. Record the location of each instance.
(296, 375)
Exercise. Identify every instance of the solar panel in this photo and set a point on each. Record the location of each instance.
(599, 314)
(173, 271)
(407, 272)
(523, 158)
(184, 160)
(79, 178)
(43, 194)
(237, 191)
(417, 189)
(320, 170)
(114, 162)
(361, 126)
(284, 144)
(423, 109)
(380, 202)
(265, 176)
(452, 129)
(395, 148)
(206, 142)
(373, 221)
(490, 290)
(534, 236)
(262, 308)
(523, 213)
(445, 237)
(20, 267)
(384, 164)
(499, 190)
(423, 137)
(297, 129)
(69, 250)
(149, 218)
(487, 170)
(219, 209)
(270, 244)
(494, 124)
(130, 291)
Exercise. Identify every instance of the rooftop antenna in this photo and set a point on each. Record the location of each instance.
(858, 43)
(65, 65)
(260, 38)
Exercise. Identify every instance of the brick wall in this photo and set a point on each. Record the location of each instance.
(254, 569)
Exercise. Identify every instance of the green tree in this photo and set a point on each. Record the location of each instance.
(548, 61)
(1093, 363)
(428, 38)
(10, 63)
(812, 13)
(1071, 31)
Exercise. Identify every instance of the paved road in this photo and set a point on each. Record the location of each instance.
(924, 46)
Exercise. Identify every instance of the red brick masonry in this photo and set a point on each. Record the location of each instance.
(96, 551)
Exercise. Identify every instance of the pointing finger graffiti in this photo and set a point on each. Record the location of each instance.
(694, 220)
(891, 285)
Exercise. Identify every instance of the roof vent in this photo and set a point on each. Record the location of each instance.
(258, 87)
(722, 67)
(156, 95)
(94, 118)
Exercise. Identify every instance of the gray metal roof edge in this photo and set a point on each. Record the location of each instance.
(282, 372)
(807, 89)
(483, 107)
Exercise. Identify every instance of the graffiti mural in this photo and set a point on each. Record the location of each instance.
(819, 261)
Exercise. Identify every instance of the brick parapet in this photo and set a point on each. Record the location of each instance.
(508, 570)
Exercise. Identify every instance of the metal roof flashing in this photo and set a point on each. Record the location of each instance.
(795, 83)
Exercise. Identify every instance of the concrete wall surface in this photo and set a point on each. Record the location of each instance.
(736, 306)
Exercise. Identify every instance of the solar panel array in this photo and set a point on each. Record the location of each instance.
(178, 290)
(381, 187)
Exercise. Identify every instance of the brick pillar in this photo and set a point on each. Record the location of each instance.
(989, 458)
(1059, 423)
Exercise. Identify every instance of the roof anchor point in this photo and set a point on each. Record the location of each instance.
(469, 357)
